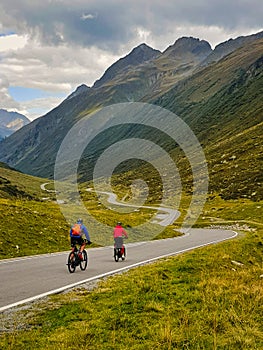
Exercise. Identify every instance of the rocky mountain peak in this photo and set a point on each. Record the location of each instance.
(189, 45)
(142, 53)
(79, 90)
(137, 56)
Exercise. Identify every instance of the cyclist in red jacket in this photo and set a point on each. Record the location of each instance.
(118, 234)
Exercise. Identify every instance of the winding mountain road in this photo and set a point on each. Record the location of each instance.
(166, 217)
(30, 278)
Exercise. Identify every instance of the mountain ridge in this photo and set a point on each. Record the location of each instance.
(228, 46)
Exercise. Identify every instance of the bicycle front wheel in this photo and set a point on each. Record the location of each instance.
(71, 262)
(84, 262)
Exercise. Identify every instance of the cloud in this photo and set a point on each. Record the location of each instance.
(12, 42)
(52, 69)
(7, 101)
(115, 22)
(88, 16)
(40, 106)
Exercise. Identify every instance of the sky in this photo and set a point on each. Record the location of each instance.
(50, 47)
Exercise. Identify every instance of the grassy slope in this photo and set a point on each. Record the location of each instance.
(16, 184)
(29, 224)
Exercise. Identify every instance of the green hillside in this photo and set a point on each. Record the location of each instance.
(14, 184)
(223, 105)
(31, 222)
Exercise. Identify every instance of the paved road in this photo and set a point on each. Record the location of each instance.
(30, 278)
(166, 217)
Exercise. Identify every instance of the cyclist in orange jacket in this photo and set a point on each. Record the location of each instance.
(79, 235)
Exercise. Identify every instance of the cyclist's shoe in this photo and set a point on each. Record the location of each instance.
(80, 256)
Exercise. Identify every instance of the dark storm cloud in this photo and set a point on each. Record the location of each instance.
(81, 22)
(110, 23)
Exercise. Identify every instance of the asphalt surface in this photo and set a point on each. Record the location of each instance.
(30, 278)
(165, 217)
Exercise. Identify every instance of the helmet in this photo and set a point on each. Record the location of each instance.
(79, 221)
(119, 223)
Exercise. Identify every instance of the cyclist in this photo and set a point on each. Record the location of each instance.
(118, 234)
(79, 235)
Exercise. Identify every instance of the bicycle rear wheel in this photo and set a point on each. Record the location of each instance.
(84, 262)
(116, 254)
(71, 262)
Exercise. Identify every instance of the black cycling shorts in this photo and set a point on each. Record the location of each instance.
(76, 240)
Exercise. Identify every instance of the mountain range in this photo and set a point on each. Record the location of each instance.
(217, 92)
(11, 122)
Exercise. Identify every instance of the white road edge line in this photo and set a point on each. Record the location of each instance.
(59, 290)
(47, 255)
(66, 252)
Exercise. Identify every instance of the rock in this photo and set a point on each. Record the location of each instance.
(237, 263)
